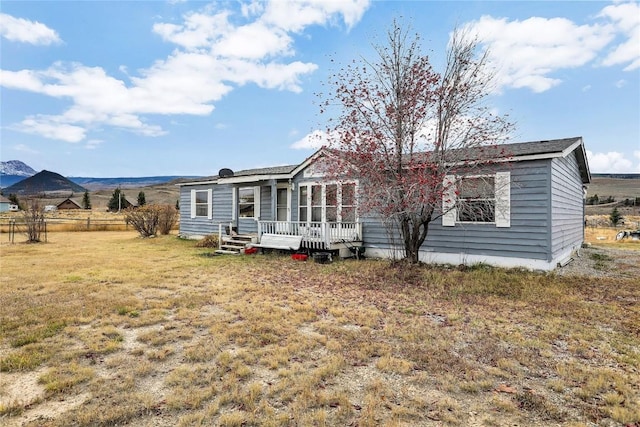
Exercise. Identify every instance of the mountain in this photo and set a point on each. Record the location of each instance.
(16, 168)
(44, 182)
(14, 171)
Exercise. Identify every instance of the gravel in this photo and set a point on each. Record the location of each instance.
(598, 262)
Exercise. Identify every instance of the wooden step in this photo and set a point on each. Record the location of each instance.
(225, 252)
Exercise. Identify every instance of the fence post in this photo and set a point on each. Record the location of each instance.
(88, 222)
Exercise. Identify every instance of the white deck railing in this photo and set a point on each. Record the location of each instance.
(315, 235)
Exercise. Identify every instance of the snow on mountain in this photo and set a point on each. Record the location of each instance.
(16, 167)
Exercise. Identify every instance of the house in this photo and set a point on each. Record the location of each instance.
(537, 221)
(68, 204)
(7, 205)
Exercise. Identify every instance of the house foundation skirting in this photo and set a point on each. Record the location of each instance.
(471, 259)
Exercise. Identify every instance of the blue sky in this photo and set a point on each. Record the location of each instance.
(140, 88)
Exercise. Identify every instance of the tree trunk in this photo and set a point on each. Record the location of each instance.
(414, 232)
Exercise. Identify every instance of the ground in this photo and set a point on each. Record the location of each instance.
(106, 328)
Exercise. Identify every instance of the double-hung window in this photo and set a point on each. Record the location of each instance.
(479, 199)
(476, 199)
(247, 202)
(201, 203)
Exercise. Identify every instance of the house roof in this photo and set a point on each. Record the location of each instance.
(5, 200)
(520, 151)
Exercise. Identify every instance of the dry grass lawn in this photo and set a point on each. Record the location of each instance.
(105, 328)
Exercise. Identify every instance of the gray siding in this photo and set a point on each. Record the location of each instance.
(527, 237)
(221, 210)
(567, 209)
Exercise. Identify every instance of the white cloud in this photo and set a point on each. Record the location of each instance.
(621, 83)
(215, 54)
(92, 144)
(586, 88)
(613, 162)
(25, 149)
(25, 31)
(626, 19)
(312, 141)
(51, 127)
(526, 53)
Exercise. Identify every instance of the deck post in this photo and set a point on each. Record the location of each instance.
(220, 235)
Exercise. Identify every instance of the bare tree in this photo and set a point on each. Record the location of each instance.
(34, 220)
(403, 128)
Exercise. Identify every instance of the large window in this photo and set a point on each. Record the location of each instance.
(332, 202)
(201, 203)
(477, 200)
(246, 202)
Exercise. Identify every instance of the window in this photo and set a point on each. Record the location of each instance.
(201, 203)
(246, 202)
(348, 202)
(303, 203)
(332, 202)
(476, 199)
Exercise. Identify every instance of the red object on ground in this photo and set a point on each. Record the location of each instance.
(299, 257)
(250, 251)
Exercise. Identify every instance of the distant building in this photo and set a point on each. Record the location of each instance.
(7, 205)
(68, 204)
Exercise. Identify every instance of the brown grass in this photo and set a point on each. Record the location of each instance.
(154, 331)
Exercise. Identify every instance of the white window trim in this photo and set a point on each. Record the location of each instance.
(502, 194)
(323, 185)
(209, 203)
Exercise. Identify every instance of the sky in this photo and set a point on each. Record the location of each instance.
(148, 88)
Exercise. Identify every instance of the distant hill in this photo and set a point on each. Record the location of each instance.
(44, 182)
(134, 182)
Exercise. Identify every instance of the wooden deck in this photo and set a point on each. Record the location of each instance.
(316, 235)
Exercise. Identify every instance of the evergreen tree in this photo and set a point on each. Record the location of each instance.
(86, 201)
(141, 199)
(178, 205)
(615, 217)
(14, 199)
(117, 201)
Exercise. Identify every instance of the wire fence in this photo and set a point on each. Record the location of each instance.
(16, 227)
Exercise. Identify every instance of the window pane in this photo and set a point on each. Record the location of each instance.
(332, 195)
(303, 196)
(316, 214)
(281, 199)
(201, 196)
(476, 211)
(281, 214)
(201, 210)
(477, 188)
(348, 194)
(316, 195)
(303, 214)
(348, 214)
(245, 195)
(332, 214)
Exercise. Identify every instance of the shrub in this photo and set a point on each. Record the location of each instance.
(615, 217)
(210, 241)
(144, 219)
(168, 216)
(148, 220)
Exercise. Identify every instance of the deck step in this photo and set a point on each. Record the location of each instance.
(236, 242)
(225, 252)
(232, 248)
